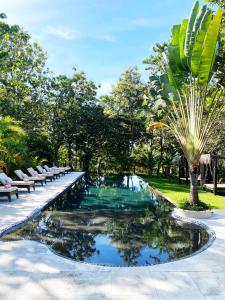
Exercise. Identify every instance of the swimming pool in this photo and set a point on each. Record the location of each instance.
(113, 221)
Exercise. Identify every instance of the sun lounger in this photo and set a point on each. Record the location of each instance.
(8, 192)
(55, 171)
(67, 169)
(37, 179)
(210, 186)
(44, 172)
(34, 173)
(64, 169)
(7, 181)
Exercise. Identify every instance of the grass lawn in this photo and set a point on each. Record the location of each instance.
(180, 192)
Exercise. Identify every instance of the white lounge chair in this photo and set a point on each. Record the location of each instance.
(67, 169)
(53, 170)
(210, 186)
(34, 173)
(37, 179)
(44, 172)
(8, 192)
(7, 181)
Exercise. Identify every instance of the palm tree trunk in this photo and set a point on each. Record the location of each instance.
(193, 171)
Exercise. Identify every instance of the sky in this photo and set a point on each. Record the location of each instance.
(100, 37)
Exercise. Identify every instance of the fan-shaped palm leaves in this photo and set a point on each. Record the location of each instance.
(192, 118)
(193, 45)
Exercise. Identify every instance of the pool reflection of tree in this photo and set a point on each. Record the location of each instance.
(165, 236)
(73, 234)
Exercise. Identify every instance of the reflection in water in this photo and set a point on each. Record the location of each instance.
(114, 222)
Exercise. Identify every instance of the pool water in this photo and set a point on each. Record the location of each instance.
(113, 221)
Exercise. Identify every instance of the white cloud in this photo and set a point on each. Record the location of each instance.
(63, 33)
(23, 12)
(68, 34)
(106, 87)
(148, 22)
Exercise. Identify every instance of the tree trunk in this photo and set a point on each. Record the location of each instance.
(215, 176)
(56, 156)
(161, 155)
(194, 199)
(86, 159)
(70, 154)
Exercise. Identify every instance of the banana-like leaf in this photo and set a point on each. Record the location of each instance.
(200, 18)
(195, 29)
(199, 43)
(175, 69)
(182, 34)
(174, 55)
(175, 35)
(190, 26)
(197, 52)
(168, 90)
(206, 20)
(171, 78)
(208, 52)
(161, 90)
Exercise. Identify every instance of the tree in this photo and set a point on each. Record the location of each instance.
(21, 62)
(126, 105)
(195, 108)
(24, 86)
(77, 119)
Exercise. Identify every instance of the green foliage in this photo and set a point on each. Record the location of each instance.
(208, 54)
(12, 143)
(125, 108)
(200, 207)
(218, 2)
(190, 26)
(193, 47)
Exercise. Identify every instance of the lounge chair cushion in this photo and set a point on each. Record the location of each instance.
(9, 189)
(22, 183)
(44, 172)
(33, 172)
(5, 179)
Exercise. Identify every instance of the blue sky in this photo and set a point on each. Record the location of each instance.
(100, 37)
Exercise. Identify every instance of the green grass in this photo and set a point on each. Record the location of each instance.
(178, 193)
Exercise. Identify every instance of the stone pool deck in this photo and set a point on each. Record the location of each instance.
(29, 204)
(29, 270)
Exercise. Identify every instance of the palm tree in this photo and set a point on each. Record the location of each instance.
(193, 106)
(192, 118)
